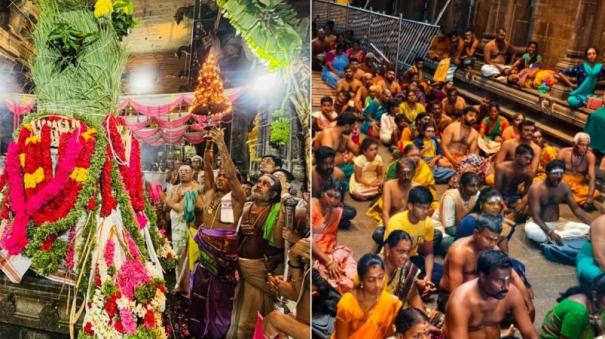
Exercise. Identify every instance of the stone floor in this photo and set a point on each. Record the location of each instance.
(549, 279)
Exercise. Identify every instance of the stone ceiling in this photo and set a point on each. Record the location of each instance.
(157, 30)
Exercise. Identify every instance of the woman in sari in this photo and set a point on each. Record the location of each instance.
(369, 174)
(334, 262)
(494, 124)
(512, 131)
(368, 311)
(400, 272)
(579, 314)
(587, 75)
(356, 52)
(335, 63)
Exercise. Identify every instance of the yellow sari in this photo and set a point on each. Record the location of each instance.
(376, 323)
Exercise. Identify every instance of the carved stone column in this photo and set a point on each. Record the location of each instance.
(580, 40)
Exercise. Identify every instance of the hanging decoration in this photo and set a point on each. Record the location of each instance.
(210, 99)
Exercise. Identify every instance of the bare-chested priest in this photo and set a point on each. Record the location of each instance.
(580, 165)
(181, 202)
(220, 206)
(260, 250)
(459, 139)
(544, 199)
(478, 307)
(338, 138)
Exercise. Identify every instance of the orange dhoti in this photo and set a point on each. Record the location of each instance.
(578, 187)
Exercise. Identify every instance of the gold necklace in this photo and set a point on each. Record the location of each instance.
(213, 206)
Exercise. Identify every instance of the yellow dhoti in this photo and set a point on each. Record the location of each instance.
(578, 187)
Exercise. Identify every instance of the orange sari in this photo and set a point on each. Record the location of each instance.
(376, 323)
(324, 239)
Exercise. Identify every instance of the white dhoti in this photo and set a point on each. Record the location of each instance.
(564, 228)
(489, 70)
(180, 235)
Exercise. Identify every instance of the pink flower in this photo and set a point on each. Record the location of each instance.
(109, 251)
(128, 323)
(132, 274)
(132, 246)
(141, 220)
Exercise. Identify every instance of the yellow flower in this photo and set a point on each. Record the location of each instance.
(22, 159)
(33, 179)
(33, 139)
(79, 174)
(90, 133)
(103, 7)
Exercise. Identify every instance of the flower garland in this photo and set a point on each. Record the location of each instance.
(131, 174)
(128, 302)
(127, 213)
(108, 202)
(46, 262)
(164, 250)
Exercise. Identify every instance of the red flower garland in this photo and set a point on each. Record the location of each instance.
(108, 202)
(61, 205)
(137, 196)
(131, 173)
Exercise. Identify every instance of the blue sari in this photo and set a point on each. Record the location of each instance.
(339, 63)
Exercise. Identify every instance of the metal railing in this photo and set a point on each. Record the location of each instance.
(400, 40)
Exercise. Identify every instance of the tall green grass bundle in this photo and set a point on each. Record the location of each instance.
(90, 84)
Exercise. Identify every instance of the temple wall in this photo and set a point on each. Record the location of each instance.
(554, 26)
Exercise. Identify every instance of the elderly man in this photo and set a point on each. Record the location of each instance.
(580, 165)
(260, 250)
(544, 199)
(496, 54)
(181, 202)
(478, 307)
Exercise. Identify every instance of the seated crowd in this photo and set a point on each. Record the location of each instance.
(388, 140)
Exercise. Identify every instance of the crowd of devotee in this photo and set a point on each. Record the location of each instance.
(447, 184)
(230, 234)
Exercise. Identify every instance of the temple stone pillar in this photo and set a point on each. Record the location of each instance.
(580, 39)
